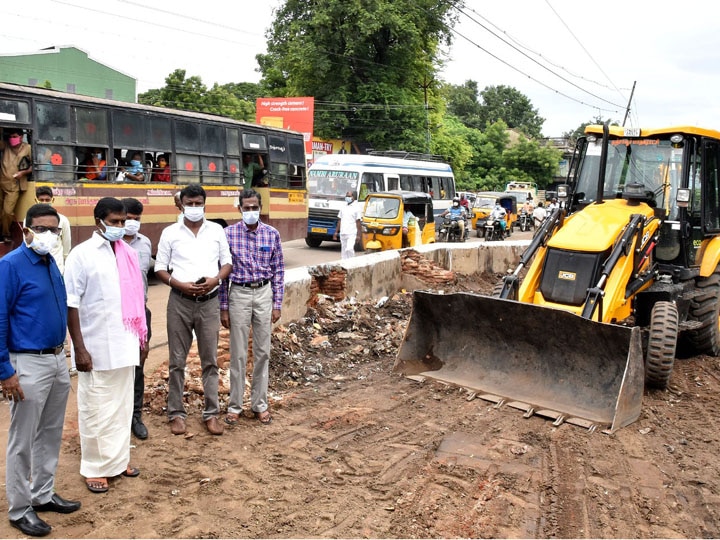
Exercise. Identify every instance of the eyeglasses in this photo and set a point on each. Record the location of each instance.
(40, 229)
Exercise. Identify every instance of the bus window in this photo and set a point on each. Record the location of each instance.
(91, 127)
(278, 149)
(370, 183)
(187, 137)
(54, 163)
(53, 122)
(254, 142)
(234, 172)
(212, 139)
(410, 182)
(212, 169)
(295, 178)
(188, 168)
(297, 151)
(128, 129)
(14, 111)
(232, 138)
(158, 134)
(393, 183)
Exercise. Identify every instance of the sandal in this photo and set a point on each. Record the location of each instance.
(97, 485)
(131, 472)
(265, 417)
(232, 419)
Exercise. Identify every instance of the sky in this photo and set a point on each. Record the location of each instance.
(574, 60)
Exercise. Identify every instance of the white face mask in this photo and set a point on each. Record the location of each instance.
(194, 213)
(251, 217)
(348, 200)
(132, 226)
(43, 243)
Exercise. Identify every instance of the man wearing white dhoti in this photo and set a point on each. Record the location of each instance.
(106, 319)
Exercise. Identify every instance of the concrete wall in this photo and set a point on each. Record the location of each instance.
(372, 276)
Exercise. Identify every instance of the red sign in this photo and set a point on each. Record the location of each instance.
(294, 113)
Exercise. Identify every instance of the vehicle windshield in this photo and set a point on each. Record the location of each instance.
(332, 184)
(382, 208)
(484, 202)
(653, 163)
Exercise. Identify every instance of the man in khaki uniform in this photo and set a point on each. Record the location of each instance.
(15, 169)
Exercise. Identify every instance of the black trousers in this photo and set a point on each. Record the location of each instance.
(139, 390)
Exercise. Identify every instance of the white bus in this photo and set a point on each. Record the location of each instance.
(330, 177)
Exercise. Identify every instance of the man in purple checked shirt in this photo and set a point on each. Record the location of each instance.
(251, 297)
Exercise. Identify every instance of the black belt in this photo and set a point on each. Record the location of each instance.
(253, 284)
(52, 350)
(197, 298)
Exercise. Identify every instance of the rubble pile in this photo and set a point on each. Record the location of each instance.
(339, 338)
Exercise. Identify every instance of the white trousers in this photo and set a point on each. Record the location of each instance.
(347, 245)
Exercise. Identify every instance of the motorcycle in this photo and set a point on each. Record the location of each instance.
(493, 230)
(450, 230)
(525, 221)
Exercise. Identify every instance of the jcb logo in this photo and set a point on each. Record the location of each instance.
(567, 276)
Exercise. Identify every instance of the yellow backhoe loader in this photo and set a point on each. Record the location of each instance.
(624, 271)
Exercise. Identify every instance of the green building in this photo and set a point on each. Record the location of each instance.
(67, 69)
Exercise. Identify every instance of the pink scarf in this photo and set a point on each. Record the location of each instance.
(132, 294)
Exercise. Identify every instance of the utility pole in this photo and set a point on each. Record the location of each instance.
(627, 110)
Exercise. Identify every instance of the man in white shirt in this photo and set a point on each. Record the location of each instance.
(349, 225)
(539, 215)
(107, 324)
(60, 252)
(197, 251)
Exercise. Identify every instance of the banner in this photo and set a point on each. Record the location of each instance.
(294, 113)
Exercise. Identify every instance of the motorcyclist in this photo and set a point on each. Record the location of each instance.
(498, 214)
(457, 213)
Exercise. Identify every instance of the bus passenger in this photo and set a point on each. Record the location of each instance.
(95, 167)
(135, 171)
(162, 172)
(15, 169)
(252, 169)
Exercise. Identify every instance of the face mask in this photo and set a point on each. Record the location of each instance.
(251, 217)
(135, 163)
(112, 234)
(99, 156)
(132, 226)
(14, 140)
(456, 204)
(348, 200)
(43, 243)
(194, 213)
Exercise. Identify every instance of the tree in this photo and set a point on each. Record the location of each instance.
(191, 94)
(369, 65)
(462, 101)
(528, 160)
(512, 107)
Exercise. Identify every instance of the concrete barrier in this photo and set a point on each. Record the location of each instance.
(374, 275)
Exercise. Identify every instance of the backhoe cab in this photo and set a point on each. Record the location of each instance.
(624, 270)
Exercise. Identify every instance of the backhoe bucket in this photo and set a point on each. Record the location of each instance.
(543, 361)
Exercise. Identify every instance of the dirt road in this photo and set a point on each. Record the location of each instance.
(357, 451)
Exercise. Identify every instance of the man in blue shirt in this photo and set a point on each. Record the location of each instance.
(33, 371)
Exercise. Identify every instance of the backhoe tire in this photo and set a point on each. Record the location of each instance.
(497, 289)
(662, 342)
(705, 308)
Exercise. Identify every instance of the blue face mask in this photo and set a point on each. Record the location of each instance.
(112, 234)
(348, 200)
(135, 163)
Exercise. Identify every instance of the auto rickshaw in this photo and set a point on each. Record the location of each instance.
(485, 202)
(386, 214)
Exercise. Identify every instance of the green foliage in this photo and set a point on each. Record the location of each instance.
(511, 106)
(462, 101)
(191, 94)
(530, 161)
(368, 63)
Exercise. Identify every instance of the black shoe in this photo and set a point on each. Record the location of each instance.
(31, 525)
(139, 429)
(58, 504)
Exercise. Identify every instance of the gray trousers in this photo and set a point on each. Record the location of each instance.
(35, 433)
(249, 307)
(183, 317)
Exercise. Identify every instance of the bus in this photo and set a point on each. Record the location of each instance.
(331, 176)
(67, 130)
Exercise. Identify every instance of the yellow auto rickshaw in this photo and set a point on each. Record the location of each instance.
(483, 205)
(397, 219)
